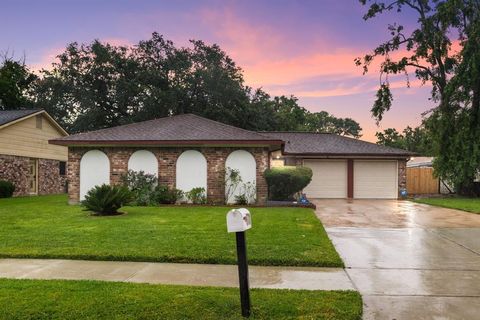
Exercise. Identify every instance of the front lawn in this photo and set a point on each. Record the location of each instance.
(465, 204)
(47, 227)
(40, 299)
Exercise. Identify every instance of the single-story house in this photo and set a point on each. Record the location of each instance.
(26, 158)
(188, 151)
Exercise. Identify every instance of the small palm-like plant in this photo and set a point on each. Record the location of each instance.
(105, 200)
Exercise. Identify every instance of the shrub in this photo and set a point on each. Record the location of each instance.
(6, 189)
(232, 182)
(106, 200)
(197, 196)
(142, 186)
(247, 194)
(241, 199)
(285, 182)
(165, 195)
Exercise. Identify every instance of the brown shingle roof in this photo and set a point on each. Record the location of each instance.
(180, 129)
(305, 143)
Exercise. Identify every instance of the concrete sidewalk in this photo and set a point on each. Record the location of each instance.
(177, 274)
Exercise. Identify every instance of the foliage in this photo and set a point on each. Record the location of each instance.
(6, 189)
(284, 182)
(105, 200)
(142, 186)
(179, 234)
(98, 85)
(241, 199)
(196, 196)
(465, 204)
(237, 190)
(247, 193)
(166, 195)
(429, 49)
(232, 182)
(16, 83)
(417, 140)
(32, 299)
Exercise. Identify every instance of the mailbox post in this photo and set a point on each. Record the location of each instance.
(238, 221)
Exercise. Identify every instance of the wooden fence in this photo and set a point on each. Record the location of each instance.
(421, 181)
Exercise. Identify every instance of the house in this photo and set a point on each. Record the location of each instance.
(188, 151)
(26, 158)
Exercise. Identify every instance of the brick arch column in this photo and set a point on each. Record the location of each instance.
(216, 158)
(118, 162)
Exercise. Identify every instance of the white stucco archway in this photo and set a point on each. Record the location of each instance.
(244, 162)
(191, 171)
(143, 160)
(94, 171)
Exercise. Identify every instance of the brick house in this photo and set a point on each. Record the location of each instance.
(188, 151)
(27, 160)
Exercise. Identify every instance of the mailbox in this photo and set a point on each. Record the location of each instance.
(238, 220)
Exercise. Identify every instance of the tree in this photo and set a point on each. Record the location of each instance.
(324, 122)
(98, 85)
(454, 76)
(412, 139)
(16, 82)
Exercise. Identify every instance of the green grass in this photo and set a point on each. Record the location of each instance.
(48, 299)
(47, 227)
(465, 204)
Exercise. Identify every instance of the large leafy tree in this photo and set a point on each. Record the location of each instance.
(97, 85)
(16, 83)
(412, 139)
(426, 50)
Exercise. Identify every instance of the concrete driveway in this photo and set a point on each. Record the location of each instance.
(408, 260)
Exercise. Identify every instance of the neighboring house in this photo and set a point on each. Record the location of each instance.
(188, 151)
(26, 158)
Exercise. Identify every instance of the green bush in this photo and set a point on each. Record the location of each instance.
(6, 189)
(106, 200)
(285, 182)
(165, 195)
(142, 186)
(197, 196)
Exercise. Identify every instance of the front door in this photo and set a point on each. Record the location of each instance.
(32, 176)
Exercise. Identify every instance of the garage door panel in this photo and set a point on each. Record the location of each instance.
(329, 179)
(375, 179)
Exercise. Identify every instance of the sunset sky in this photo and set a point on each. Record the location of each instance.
(305, 48)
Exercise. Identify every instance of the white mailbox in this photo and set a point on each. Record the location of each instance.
(238, 220)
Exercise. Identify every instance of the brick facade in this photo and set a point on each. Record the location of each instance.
(16, 170)
(49, 179)
(402, 176)
(167, 158)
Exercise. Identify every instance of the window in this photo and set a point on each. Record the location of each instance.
(63, 168)
(39, 121)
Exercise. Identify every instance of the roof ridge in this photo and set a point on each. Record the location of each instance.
(223, 124)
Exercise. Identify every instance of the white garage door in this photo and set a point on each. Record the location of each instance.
(329, 179)
(375, 179)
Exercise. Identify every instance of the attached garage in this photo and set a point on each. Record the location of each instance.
(374, 179)
(329, 179)
(345, 168)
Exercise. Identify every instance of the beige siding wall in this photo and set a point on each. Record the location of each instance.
(25, 139)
